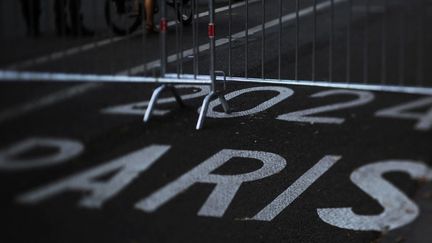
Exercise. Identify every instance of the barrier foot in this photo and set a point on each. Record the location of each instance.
(177, 96)
(155, 97)
(204, 108)
(224, 103)
(205, 105)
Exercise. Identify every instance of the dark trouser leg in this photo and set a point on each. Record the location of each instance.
(60, 17)
(31, 13)
(36, 11)
(74, 7)
(76, 18)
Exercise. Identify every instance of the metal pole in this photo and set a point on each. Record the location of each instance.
(143, 21)
(297, 39)
(402, 42)
(211, 35)
(229, 38)
(177, 30)
(348, 45)
(314, 40)
(420, 43)
(194, 40)
(181, 37)
(366, 44)
(331, 40)
(280, 41)
(197, 36)
(384, 44)
(163, 29)
(263, 40)
(247, 39)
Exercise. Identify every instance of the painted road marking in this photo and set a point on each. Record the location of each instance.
(48, 100)
(283, 94)
(424, 119)
(66, 149)
(139, 108)
(226, 185)
(297, 188)
(363, 97)
(127, 169)
(399, 210)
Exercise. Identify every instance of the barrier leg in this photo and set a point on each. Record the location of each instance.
(224, 103)
(153, 102)
(204, 108)
(155, 96)
(177, 96)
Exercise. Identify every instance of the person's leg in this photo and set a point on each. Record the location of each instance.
(36, 15)
(60, 17)
(149, 5)
(78, 27)
(25, 8)
(74, 16)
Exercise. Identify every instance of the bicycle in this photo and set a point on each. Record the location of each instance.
(119, 14)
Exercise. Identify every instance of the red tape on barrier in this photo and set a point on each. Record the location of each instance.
(163, 25)
(211, 30)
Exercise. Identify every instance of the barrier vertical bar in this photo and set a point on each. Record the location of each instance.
(31, 18)
(331, 40)
(263, 39)
(143, 39)
(420, 43)
(194, 40)
(213, 90)
(229, 37)
(366, 43)
(297, 39)
(314, 39)
(197, 36)
(348, 45)
(402, 28)
(280, 41)
(212, 43)
(2, 22)
(128, 41)
(247, 39)
(110, 31)
(177, 45)
(163, 62)
(181, 36)
(163, 29)
(384, 43)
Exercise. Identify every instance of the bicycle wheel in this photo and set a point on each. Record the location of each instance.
(119, 18)
(184, 15)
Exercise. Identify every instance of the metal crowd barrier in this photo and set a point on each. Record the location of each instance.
(82, 54)
(379, 45)
(365, 44)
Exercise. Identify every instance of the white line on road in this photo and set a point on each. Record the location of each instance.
(296, 189)
(56, 97)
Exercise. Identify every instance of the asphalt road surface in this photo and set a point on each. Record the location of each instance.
(288, 164)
